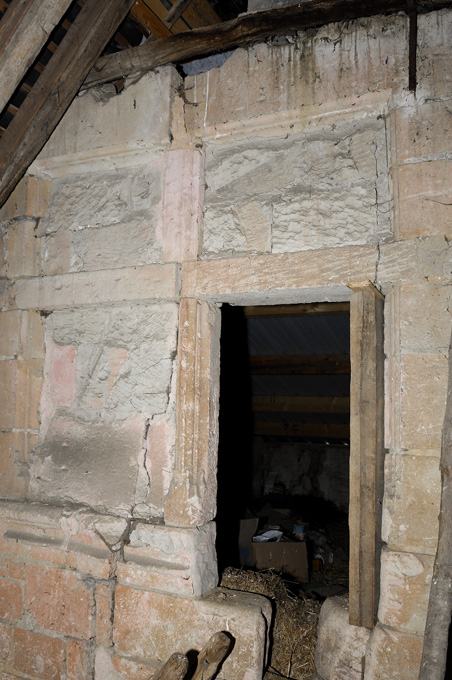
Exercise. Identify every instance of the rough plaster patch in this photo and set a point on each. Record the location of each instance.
(93, 464)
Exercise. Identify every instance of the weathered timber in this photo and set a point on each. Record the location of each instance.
(366, 452)
(175, 12)
(311, 309)
(434, 653)
(24, 30)
(211, 656)
(57, 86)
(310, 364)
(314, 430)
(290, 404)
(241, 31)
(174, 669)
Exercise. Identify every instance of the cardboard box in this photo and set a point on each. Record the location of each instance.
(288, 558)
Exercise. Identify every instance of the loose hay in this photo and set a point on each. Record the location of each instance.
(294, 632)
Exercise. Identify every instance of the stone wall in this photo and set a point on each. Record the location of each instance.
(289, 173)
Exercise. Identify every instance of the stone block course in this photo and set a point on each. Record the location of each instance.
(434, 47)
(30, 198)
(14, 450)
(22, 247)
(37, 655)
(11, 606)
(411, 503)
(404, 587)
(22, 380)
(425, 196)
(59, 600)
(393, 654)
(423, 130)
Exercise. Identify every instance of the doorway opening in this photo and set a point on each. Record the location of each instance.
(284, 447)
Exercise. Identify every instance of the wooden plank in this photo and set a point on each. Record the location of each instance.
(289, 404)
(241, 31)
(314, 430)
(366, 453)
(24, 30)
(147, 17)
(310, 364)
(314, 309)
(57, 86)
(175, 12)
(160, 11)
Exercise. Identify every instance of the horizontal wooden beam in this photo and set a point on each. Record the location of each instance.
(289, 404)
(315, 309)
(310, 364)
(314, 430)
(242, 31)
(54, 90)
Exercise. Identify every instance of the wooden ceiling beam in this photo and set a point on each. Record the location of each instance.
(309, 364)
(24, 29)
(290, 404)
(242, 31)
(175, 12)
(311, 309)
(314, 430)
(54, 90)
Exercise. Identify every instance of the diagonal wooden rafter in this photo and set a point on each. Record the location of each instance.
(241, 31)
(57, 86)
(24, 30)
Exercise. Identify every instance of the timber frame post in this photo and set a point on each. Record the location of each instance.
(366, 451)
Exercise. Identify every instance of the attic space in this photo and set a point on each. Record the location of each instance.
(284, 443)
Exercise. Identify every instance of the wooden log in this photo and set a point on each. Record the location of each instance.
(242, 31)
(56, 87)
(175, 12)
(174, 669)
(434, 654)
(310, 364)
(211, 656)
(24, 30)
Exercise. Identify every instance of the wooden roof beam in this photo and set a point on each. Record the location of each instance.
(24, 29)
(54, 90)
(309, 364)
(308, 309)
(244, 30)
(290, 404)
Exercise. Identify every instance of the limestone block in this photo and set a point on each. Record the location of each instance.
(319, 66)
(90, 463)
(14, 450)
(30, 198)
(393, 654)
(295, 277)
(423, 384)
(22, 381)
(37, 655)
(411, 503)
(404, 590)
(425, 318)
(419, 260)
(191, 622)
(9, 333)
(102, 121)
(434, 78)
(183, 197)
(123, 360)
(111, 666)
(148, 282)
(56, 252)
(423, 130)
(32, 335)
(425, 196)
(188, 555)
(46, 588)
(191, 499)
(126, 198)
(340, 649)
(159, 462)
(316, 190)
(22, 249)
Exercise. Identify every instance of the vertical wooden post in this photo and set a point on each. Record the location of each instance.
(366, 451)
